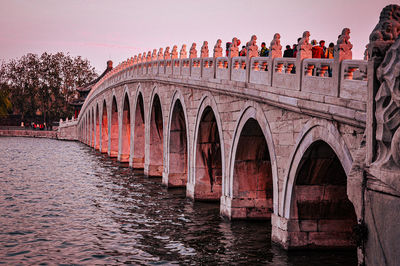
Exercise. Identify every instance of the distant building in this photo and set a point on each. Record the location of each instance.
(83, 91)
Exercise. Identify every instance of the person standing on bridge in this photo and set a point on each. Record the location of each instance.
(264, 52)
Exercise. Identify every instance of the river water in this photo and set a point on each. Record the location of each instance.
(63, 203)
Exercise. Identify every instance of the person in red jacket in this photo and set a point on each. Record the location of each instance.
(317, 51)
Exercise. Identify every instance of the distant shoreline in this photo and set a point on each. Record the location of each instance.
(28, 133)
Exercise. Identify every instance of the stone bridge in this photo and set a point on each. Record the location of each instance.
(268, 137)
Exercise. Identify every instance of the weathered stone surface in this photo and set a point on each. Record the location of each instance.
(254, 175)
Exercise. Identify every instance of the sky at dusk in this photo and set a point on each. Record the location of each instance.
(100, 30)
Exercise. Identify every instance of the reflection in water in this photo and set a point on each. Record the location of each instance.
(61, 202)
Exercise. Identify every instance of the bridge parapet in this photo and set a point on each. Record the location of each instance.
(279, 81)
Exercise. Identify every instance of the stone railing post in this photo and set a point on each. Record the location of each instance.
(217, 53)
(342, 51)
(303, 52)
(275, 51)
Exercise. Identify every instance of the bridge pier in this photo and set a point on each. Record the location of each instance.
(137, 152)
(319, 214)
(154, 165)
(114, 131)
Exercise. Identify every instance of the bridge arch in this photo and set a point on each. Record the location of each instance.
(253, 173)
(92, 127)
(87, 119)
(208, 151)
(104, 128)
(97, 135)
(155, 134)
(176, 172)
(114, 128)
(315, 189)
(137, 153)
(125, 132)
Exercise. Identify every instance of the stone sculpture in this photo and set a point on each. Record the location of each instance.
(139, 58)
(304, 47)
(385, 41)
(344, 46)
(387, 113)
(385, 32)
(218, 49)
(160, 54)
(135, 60)
(174, 53)
(233, 49)
(183, 53)
(167, 55)
(193, 51)
(204, 50)
(148, 58)
(252, 48)
(154, 55)
(275, 47)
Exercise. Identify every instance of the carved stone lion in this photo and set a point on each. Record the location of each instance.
(304, 47)
(385, 32)
(387, 111)
(204, 50)
(183, 53)
(193, 51)
(276, 47)
(218, 49)
(174, 53)
(167, 55)
(233, 49)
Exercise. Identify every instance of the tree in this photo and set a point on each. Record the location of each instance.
(45, 84)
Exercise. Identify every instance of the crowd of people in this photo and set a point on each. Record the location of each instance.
(264, 52)
(319, 50)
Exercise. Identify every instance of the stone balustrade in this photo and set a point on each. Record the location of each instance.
(307, 75)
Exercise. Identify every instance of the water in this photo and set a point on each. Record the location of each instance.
(63, 203)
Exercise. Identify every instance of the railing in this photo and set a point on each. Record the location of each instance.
(222, 68)
(185, 70)
(259, 70)
(168, 67)
(207, 68)
(284, 73)
(353, 80)
(317, 77)
(238, 69)
(346, 79)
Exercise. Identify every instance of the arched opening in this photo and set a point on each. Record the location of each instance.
(208, 183)
(86, 129)
(92, 128)
(139, 133)
(156, 139)
(126, 131)
(97, 144)
(114, 129)
(104, 130)
(178, 157)
(320, 204)
(252, 175)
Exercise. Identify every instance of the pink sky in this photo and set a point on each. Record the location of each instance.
(100, 30)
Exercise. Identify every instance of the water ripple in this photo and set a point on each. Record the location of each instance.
(62, 203)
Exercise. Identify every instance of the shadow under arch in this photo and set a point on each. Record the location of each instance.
(97, 128)
(176, 174)
(138, 140)
(104, 129)
(114, 129)
(253, 174)
(208, 153)
(156, 137)
(125, 130)
(315, 192)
